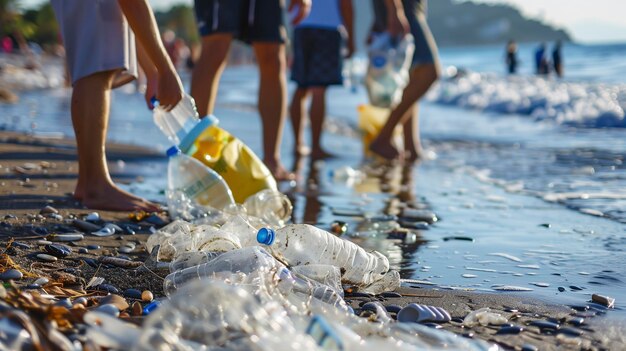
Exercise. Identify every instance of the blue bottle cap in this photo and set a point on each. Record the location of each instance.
(173, 151)
(151, 307)
(194, 133)
(265, 236)
(154, 101)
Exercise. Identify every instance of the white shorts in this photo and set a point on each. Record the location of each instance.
(96, 37)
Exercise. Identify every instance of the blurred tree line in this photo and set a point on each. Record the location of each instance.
(39, 24)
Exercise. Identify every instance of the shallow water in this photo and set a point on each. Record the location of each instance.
(515, 186)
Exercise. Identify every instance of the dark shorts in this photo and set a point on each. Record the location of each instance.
(317, 59)
(247, 20)
(415, 10)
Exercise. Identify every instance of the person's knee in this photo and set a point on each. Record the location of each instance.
(270, 58)
(214, 49)
(95, 80)
(318, 93)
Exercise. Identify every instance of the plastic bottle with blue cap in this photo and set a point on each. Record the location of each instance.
(215, 147)
(190, 183)
(303, 244)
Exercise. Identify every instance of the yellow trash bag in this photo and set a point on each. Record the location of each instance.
(242, 170)
(371, 121)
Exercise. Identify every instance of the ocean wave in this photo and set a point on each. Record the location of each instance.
(577, 104)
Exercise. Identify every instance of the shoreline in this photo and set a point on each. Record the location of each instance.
(31, 166)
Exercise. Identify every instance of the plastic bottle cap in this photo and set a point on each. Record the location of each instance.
(151, 307)
(193, 134)
(154, 101)
(173, 151)
(265, 236)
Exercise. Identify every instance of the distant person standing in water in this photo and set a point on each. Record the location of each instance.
(100, 53)
(317, 46)
(511, 57)
(401, 17)
(557, 59)
(541, 60)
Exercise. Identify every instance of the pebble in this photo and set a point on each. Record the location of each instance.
(136, 309)
(115, 300)
(574, 287)
(561, 289)
(107, 287)
(33, 286)
(603, 300)
(570, 331)
(44, 242)
(86, 226)
(11, 274)
(580, 308)
(420, 215)
(458, 238)
(3, 292)
(41, 281)
(67, 237)
(93, 247)
(10, 216)
(545, 325)
(516, 329)
(92, 217)
(147, 296)
(432, 325)
(415, 225)
(58, 250)
(393, 308)
(20, 245)
(469, 335)
(128, 230)
(40, 231)
(155, 220)
(133, 294)
(339, 227)
(64, 303)
(48, 210)
(109, 309)
(421, 313)
(46, 257)
(529, 347)
(83, 250)
(80, 300)
(577, 321)
(91, 262)
(107, 230)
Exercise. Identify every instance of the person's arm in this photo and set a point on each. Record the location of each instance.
(139, 15)
(304, 8)
(151, 72)
(397, 23)
(347, 14)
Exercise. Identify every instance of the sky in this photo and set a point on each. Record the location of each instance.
(590, 21)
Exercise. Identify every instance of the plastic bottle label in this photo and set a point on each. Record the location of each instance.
(200, 186)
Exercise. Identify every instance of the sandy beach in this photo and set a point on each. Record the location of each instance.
(40, 172)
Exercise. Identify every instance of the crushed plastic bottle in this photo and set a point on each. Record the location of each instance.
(302, 244)
(202, 185)
(271, 206)
(484, 317)
(190, 259)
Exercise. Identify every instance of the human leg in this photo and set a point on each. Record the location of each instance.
(208, 69)
(272, 103)
(421, 78)
(318, 115)
(91, 99)
(410, 129)
(296, 112)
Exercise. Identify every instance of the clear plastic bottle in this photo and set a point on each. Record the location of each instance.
(302, 244)
(271, 206)
(197, 182)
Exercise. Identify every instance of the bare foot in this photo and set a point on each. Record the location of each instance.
(414, 155)
(320, 154)
(302, 150)
(279, 172)
(384, 149)
(112, 198)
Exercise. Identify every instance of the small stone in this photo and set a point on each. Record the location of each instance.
(46, 257)
(108, 287)
(390, 294)
(64, 303)
(93, 247)
(11, 274)
(86, 226)
(83, 250)
(20, 245)
(49, 210)
(469, 335)
(107, 230)
(574, 287)
(3, 292)
(577, 321)
(420, 215)
(109, 309)
(580, 308)
(561, 289)
(545, 325)
(128, 230)
(603, 300)
(41, 281)
(545, 225)
(133, 294)
(147, 296)
(92, 217)
(570, 331)
(339, 227)
(516, 329)
(393, 308)
(432, 325)
(155, 220)
(136, 309)
(529, 347)
(80, 301)
(58, 250)
(115, 300)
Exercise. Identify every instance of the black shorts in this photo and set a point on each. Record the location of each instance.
(247, 20)
(317, 59)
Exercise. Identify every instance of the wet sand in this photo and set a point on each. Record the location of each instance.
(38, 172)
